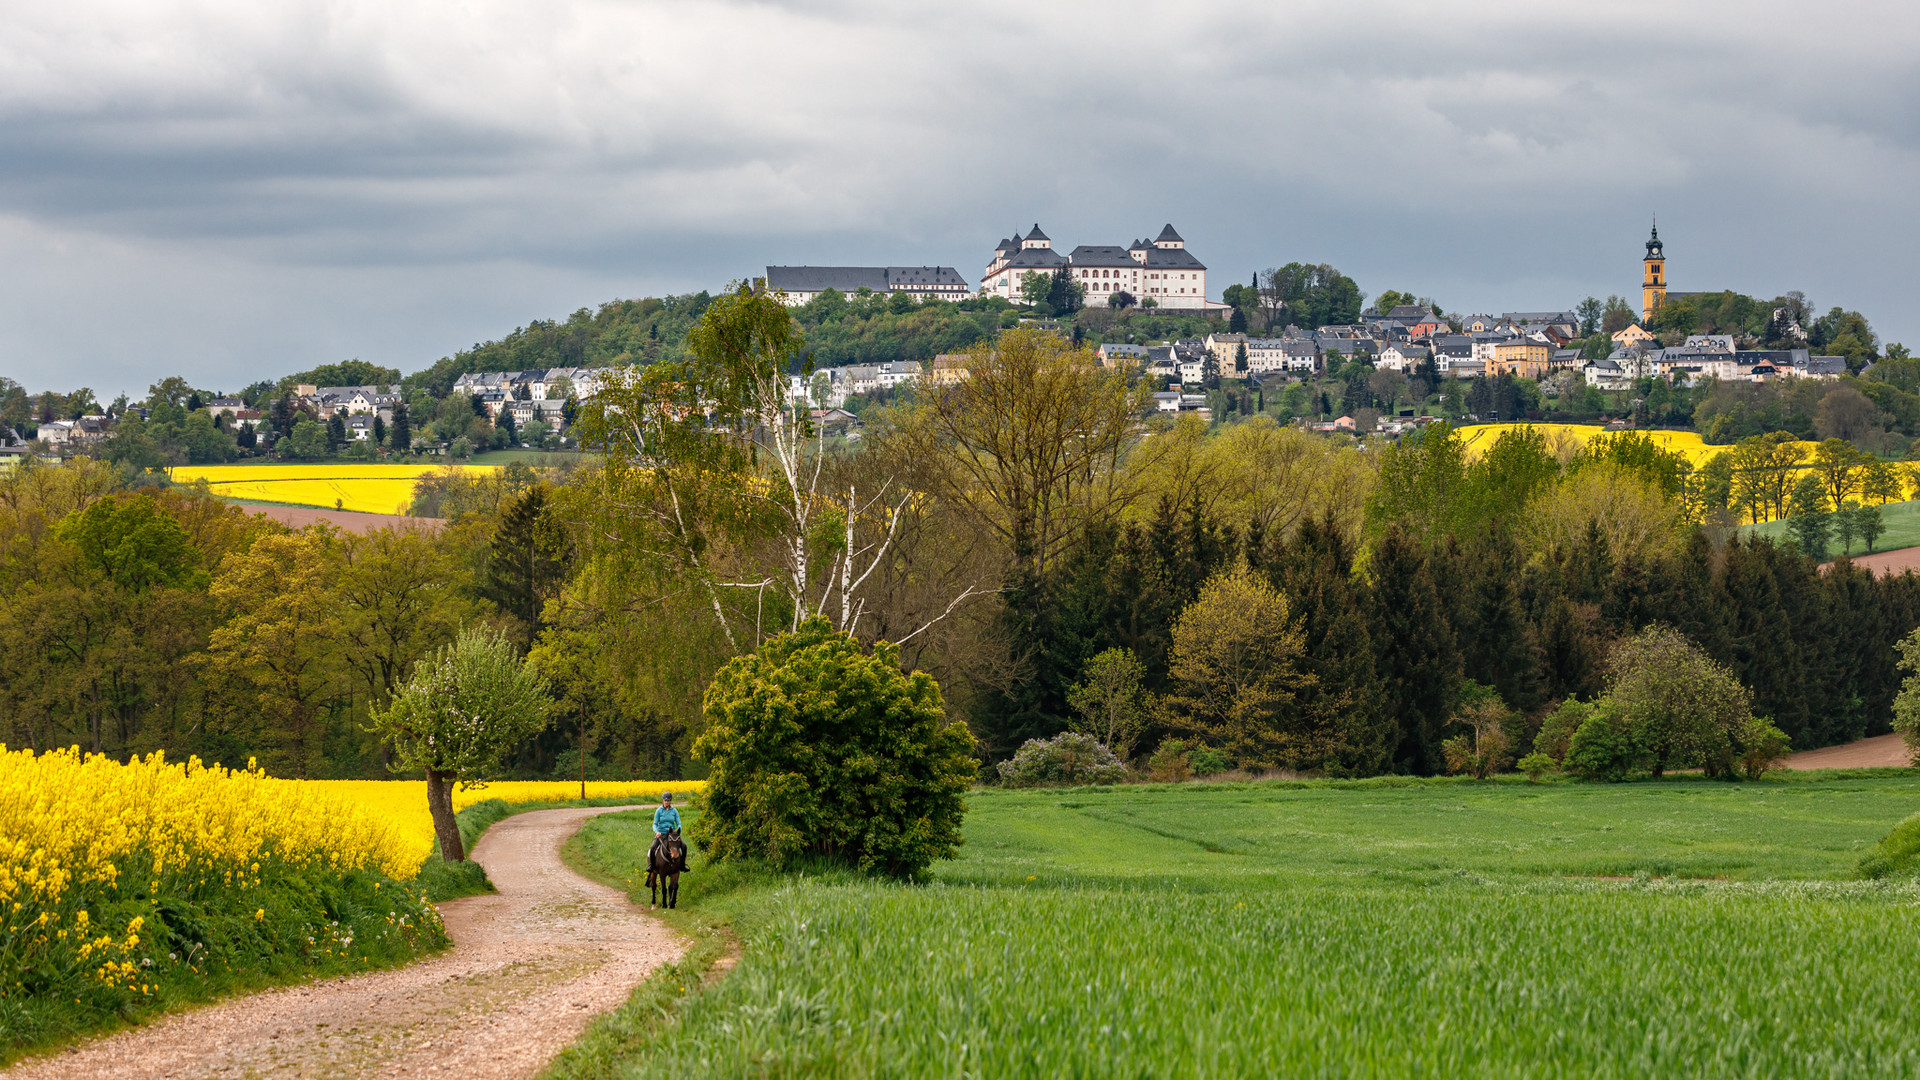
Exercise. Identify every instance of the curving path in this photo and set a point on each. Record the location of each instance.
(528, 968)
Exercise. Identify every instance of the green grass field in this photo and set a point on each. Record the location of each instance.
(1427, 929)
(1902, 520)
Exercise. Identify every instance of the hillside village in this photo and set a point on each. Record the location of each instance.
(1383, 370)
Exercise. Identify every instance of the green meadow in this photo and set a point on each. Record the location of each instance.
(1903, 529)
(1374, 928)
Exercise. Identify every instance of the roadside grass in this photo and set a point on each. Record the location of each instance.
(1903, 529)
(1376, 927)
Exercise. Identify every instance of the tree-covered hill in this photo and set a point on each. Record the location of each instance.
(621, 331)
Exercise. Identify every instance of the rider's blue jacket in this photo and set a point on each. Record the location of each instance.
(664, 819)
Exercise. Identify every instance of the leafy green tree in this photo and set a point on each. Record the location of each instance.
(1868, 524)
(308, 441)
(1809, 521)
(1616, 316)
(458, 717)
(1237, 671)
(1906, 707)
(1035, 287)
(818, 746)
(1603, 748)
(1590, 311)
(1109, 701)
(1683, 708)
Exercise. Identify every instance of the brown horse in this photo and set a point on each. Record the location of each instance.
(665, 860)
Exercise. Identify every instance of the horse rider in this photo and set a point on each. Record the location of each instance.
(665, 819)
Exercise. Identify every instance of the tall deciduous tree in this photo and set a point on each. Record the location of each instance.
(278, 652)
(1029, 444)
(1109, 700)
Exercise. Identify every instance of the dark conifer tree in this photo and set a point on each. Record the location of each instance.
(527, 562)
(402, 429)
(1315, 571)
(1496, 645)
(1416, 660)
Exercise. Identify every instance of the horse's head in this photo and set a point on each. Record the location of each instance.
(675, 847)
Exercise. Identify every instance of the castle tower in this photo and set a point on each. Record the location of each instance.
(1653, 278)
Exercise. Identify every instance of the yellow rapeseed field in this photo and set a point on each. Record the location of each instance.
(403, 803)
(74, 829)
(371, 489)
(82, 833)
(1688, 444)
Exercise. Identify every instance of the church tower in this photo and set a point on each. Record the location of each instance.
(1653, 280)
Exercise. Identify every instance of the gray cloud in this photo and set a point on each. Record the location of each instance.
(230, 190)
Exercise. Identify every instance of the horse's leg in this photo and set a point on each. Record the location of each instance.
(673, 891)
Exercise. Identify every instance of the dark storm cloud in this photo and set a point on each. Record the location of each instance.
(232, 190)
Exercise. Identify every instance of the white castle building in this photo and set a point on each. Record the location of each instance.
(1163, 271)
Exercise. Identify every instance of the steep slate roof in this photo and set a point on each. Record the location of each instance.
(1542, 318)
(1036, 259)
(1036, 234)
(1100, 256)
(813, 279)
(1167, 235)
(924, 275)
(1172, 259)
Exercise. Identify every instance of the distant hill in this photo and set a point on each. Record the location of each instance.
(621, 331)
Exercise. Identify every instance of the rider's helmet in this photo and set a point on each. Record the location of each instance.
(666, 796)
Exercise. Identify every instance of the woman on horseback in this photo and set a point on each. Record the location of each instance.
(665, 819)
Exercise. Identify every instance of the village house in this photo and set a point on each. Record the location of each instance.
(1521, 357)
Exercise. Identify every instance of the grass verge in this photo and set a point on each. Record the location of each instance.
(1677, 927)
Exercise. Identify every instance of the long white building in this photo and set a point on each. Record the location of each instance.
(1163, 271)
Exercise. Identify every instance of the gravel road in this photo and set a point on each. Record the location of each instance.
(528, 968)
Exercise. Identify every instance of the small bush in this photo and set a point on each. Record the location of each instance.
(1206, 761)
(1603, 749)
(1070, 757)
(1761, 746)
(1556, 731)
(1536, 765)
(1171, 763)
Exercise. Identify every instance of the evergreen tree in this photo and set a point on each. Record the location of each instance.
(527, 562)
(1496, 647)
(402, 440)
(336, 432)
(1416, 661)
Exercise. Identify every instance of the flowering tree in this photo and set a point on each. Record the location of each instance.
(458, 717)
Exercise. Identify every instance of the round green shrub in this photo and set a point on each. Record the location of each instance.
(818, 746)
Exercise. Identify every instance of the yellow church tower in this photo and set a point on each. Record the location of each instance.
(1653, 281)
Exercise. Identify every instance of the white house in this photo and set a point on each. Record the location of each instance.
(800, 284)
(1162, 270)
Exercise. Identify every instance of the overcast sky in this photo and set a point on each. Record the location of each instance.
(232, 190)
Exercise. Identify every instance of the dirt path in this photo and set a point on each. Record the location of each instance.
(1881, 750)
(528, 968)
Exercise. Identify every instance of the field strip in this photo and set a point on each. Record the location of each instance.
(529, 967)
